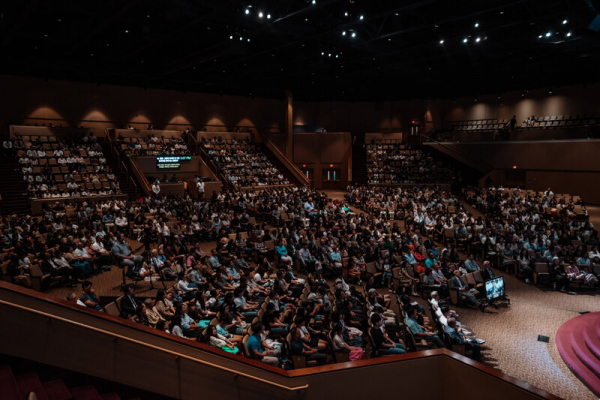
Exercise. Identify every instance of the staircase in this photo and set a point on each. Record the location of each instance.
(12, 188)
(359, 165)
(20, 386)
(578, 342)
(127, 187)
(278, 164)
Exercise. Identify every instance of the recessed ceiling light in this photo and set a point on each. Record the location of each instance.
(126, 31)
(540, 36)
(361, 17)
(231, 37)
(346, 14)
(478, 40)
(248, 39)
(548, 34)
(268, 16)
(465, 40)
(476, 24)
(569, 34)
(344, 33)
(260, 14)
(442, 41)
(565, 22)
(241, 38)
(148, 16)
(353, 34)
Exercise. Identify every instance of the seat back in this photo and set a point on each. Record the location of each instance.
(111, 309)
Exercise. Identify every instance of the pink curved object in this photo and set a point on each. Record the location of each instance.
(578, 342)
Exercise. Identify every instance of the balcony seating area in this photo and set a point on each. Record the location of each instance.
(559, 121)
(54, 168)
(391, 162)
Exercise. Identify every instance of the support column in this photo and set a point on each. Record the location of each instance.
(289, 118)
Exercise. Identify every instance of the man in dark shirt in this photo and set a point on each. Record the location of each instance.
(382, 343)
(301, 349)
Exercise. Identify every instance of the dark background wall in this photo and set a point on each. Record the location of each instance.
(567, 167)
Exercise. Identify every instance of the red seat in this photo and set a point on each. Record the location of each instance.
(31, 383)
(8, 385)
(57, 390)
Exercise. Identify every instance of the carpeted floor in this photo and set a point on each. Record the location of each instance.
(511, 333)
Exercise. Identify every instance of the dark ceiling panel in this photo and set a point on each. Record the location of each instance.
(332, 49)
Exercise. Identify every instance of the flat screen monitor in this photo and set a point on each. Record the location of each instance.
(171, 162)
(494, 288)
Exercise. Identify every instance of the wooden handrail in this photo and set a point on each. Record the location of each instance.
(140, 343)
(140, 175)
(290, 165)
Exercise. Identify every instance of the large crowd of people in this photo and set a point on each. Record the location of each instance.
(152, 145)
(396, 163)
(241, 163)
(294, 275)
(53, 168)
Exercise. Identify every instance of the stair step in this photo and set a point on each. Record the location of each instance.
(57, 390)
(31, 383)
(583, 353)
(8, 384)
(85, 393)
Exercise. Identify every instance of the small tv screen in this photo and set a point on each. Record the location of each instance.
(494, 288)
(171, 162)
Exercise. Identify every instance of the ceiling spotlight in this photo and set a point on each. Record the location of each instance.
(478, 39)
(346, 14)
(268, 16)
(344, 33)
(260, 14)
(548, 34)
(329, 55)
(361, 17)
(241, 38)
(564, 21)
(337, 56)
(322, 53)
(248, 39)
(540, 36)
(569, 34)
(476, 24)
(353, 34)
(247, 11)
(314, 1)
(231, 37)
(442, 41)
(465, 40)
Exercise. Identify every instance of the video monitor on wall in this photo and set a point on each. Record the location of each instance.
(171, 162)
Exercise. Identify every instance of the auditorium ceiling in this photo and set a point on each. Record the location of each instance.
(319, 49)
